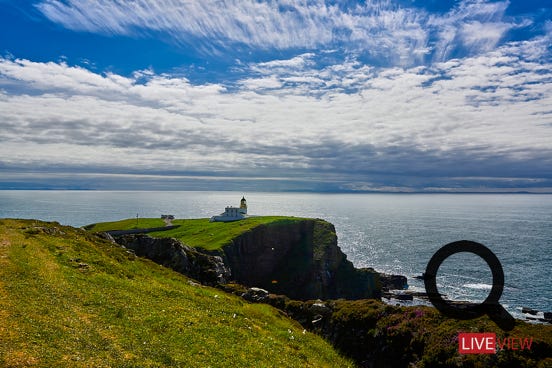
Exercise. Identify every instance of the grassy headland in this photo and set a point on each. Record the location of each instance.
(70, 299)
(197, 232)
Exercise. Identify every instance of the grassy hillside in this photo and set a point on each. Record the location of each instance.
(68, 299)
(197, 232)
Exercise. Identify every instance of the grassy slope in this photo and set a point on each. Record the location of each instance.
(197, 232)
(69, 299)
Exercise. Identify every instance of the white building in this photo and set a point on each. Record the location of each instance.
(232, 213)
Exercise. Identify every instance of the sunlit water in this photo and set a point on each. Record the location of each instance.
(394, 233)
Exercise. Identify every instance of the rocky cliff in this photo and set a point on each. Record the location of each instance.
(207, 269)
(298, 258)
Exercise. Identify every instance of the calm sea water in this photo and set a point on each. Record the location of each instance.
(394, 233)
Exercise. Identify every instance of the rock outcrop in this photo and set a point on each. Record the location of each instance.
(393, 282)
(207, 269)
(256, 295)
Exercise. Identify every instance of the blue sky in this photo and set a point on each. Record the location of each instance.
(413, 96)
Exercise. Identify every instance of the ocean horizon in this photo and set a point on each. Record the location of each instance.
(390, 232)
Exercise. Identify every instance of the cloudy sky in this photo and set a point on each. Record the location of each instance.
(313, 95)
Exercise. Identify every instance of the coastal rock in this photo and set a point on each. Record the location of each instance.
(404, 297)
(207, 269)
(393, 282)
(256, 295)
(528, 310)
(320, 308)
(299, 259)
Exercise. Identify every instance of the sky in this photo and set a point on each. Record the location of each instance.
(292, 95)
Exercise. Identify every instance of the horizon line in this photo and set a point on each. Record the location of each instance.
(275, 191)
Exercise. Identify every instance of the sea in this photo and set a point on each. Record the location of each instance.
(392, 233)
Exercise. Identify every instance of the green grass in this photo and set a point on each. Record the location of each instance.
(69, 299)
(198, 232)
(132, 223)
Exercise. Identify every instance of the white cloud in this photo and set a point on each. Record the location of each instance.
(488, 115)
(261, 83)
(249, 22)
(385, 32)
(482, 36)
(59, 76)
(297, 63)
(475, 25)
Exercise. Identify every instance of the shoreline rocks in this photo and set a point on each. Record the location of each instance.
(393, 282)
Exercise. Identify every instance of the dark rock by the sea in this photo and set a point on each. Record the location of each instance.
(393, 282)
(404, 297)
(528, 310)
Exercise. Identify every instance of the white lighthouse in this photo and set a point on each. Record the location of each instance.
(243, 206)
(232, 213)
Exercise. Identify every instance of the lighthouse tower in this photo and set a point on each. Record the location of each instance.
(243, 206)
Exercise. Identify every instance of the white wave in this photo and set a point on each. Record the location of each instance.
(416, 288)
(479, 286)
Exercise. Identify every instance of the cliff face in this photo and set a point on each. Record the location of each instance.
(297, 258)
(300, 259)
(207, 269)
